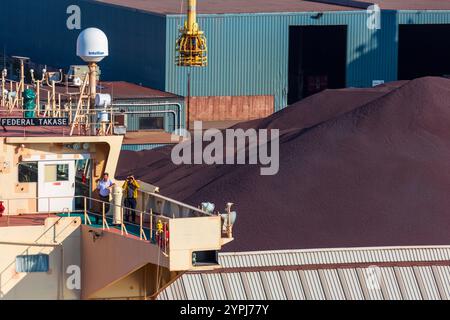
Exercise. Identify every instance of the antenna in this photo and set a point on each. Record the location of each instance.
(92, 47)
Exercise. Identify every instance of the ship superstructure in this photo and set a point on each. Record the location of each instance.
(57, 239)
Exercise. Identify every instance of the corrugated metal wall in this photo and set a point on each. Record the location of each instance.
(333, 256)
(169, 118)
(248, 53)
(424, 17)
(141, 147)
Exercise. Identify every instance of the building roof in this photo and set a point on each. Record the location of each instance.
(414, 4)
(330, 274)
(148, 137)
(266, 6)
(124, 90)
(228, 6)
(394, 4)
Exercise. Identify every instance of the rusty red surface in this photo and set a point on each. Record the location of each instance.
(122, 90)
(266, 6)
(229, 6)
(414, 4)
(23, 220)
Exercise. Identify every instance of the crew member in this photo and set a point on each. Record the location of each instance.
(130, 188)
(104, 188)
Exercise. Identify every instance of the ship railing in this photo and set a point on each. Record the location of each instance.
(166, 206)
(91, 123)
(12, 99)
(74, 106)
(151, 227)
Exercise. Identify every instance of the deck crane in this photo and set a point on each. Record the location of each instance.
(191, 49)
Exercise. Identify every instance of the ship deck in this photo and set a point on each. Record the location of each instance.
(29, 220)
(34, 131)
(138, 137)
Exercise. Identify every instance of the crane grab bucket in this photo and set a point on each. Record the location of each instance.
(191, 47)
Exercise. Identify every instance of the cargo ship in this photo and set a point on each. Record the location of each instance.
(58, 239)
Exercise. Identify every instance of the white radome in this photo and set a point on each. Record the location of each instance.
(103, 100)
(92, 45)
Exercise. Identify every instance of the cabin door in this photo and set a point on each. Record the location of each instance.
(56, 186)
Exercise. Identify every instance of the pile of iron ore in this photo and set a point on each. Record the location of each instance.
(358, 167)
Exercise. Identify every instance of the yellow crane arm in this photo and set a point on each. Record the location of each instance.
(192, 16)
(191, 48)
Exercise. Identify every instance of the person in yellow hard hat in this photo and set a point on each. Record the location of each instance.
(130, 189)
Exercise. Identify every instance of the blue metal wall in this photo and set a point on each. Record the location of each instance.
(248, 53)
(424, 17)
(38, 29)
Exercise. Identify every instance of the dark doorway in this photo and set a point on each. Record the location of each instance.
(423, 50)
(317, 60)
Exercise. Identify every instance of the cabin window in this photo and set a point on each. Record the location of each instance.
(56, 172)
(28, 172)
(205, 258)
(32, 263)
(151, 123)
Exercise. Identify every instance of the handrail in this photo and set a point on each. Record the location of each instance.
(158, 225)
(159, 196)
(79, 197)
(153, 194)
(29, 85)
(57, 105)
(12, 103)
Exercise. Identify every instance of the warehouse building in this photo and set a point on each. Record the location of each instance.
(384, 273)
(146, 116)
(263, 55)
